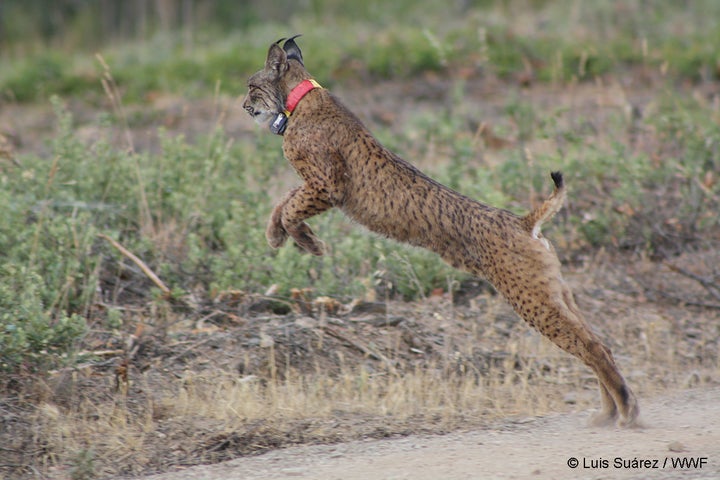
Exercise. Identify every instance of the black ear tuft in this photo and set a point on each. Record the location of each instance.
(292, 50)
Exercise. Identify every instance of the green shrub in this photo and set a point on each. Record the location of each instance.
(32, 336)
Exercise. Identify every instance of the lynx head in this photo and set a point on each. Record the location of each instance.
(268, 89)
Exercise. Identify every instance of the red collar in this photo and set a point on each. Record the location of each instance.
(297, 93)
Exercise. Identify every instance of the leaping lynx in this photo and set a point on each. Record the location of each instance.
(342, 165)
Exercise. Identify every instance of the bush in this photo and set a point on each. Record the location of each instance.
(32, 338)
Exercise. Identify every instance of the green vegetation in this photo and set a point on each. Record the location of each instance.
(548, 41)
(195, 212)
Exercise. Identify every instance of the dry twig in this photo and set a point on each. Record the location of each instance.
(711, 285)
(146, 270)
(358, 346)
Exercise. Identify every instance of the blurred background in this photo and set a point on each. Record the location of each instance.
(182, 45)
(87, 24)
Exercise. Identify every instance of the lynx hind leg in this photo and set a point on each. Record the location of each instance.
(615, 395)
(543, 300)
(578, 339)
(608, 413)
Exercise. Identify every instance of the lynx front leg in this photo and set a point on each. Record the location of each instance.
(289, 215)
(275, 233)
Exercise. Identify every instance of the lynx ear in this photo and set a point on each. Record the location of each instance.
(292, 50)
(276, 59)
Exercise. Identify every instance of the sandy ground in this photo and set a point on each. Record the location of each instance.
(683, 427)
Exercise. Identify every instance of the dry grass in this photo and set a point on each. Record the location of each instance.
(442, 367)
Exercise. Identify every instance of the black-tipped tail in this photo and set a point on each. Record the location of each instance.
(557, 178)
(548, 208)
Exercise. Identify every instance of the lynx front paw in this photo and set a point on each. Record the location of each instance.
(306, 240)
(275, 234)
(317, 247)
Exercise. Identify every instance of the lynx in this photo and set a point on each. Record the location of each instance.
(342, 165)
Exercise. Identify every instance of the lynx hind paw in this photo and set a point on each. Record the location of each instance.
(603, 419)
(632, 418)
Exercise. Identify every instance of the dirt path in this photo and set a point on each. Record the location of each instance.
(681, 427)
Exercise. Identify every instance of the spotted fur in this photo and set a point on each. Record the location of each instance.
(343, 166)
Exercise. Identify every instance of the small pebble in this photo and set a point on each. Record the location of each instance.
(676, 447)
